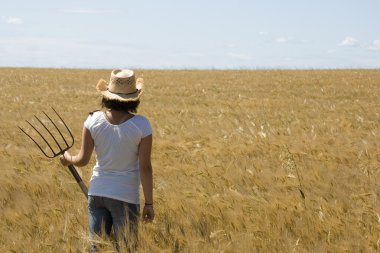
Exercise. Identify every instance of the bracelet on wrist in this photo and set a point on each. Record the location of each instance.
(147, 204)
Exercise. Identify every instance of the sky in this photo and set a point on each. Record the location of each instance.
(187, 34)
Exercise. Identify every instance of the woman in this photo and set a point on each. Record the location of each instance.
(123, 143)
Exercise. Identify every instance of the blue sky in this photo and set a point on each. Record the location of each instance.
(190, 34)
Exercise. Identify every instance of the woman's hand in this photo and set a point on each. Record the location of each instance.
(84, 155)
(66, 159)
(148, 213)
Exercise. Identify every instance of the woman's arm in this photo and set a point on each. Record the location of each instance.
(146, 175)
(84, 154)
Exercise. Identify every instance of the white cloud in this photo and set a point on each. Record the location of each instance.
(283, 39)
(86, 11)
(192, 54)
(230, 45)
(239, 56)
(375, 45)
(349, 42)
(12, 20)
(59, 52)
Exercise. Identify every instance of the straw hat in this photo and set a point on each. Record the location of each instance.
(122, 86)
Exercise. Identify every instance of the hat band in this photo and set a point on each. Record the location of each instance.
(122, 93)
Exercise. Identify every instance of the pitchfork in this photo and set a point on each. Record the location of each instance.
(62, 147)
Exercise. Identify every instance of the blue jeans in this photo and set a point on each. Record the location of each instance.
(103, 213)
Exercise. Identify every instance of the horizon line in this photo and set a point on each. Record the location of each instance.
(197, 68)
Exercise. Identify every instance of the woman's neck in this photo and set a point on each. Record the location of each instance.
(117, 117)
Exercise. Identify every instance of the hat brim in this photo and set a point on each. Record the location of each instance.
(102, 87)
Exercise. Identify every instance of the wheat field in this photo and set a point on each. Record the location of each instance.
(244, 161)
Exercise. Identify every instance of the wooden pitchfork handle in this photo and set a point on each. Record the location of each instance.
(79, 180)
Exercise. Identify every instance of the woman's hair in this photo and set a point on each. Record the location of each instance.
(129, 106)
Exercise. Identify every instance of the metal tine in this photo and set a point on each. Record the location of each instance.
(59, 146)
(68, 129)
(47, 143)
(43, 151)
(67, 145)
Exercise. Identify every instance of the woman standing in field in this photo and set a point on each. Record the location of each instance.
(123, 143)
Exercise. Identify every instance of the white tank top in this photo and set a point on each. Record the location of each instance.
(116, 173)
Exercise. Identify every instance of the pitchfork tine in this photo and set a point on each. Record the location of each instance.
(67, 145)
(59, 146)
(68, 129)
(37, 143)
